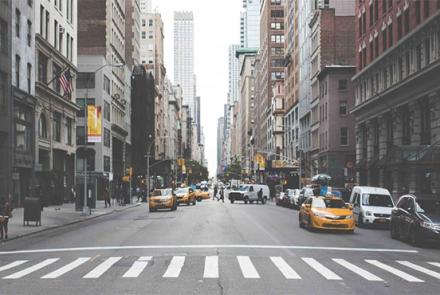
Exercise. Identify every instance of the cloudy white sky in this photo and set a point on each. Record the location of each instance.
(216, 26)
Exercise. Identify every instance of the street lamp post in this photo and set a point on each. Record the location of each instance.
(150, 137)
(86, 210)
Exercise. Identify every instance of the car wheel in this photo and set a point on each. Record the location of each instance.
(360, 222)
(246, 200)
(194, 202)
(152, 210)
(414, 237)
(188, 203)
(199, 199)
(251, 202)
(393, 231)
(300, 221)
(310, 225)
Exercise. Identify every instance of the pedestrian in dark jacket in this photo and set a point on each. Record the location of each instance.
(260, 194)
(222, 194)
(215, 192)
(5, 214)
(106, 196)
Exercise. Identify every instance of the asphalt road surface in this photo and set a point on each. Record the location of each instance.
(213, 248)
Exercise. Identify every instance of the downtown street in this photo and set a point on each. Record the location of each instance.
(213, 248)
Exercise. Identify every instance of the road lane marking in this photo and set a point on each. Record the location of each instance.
(421, 269)
(285, 268)
(211, 267)
(102, 268)
(65, 269)
(247, 268)
(357, 270)
(138, 267)
(274, 247)
(324, 271)
(435, 263)
(12, 264)
(395, 271)
(31, 269)
(176, 264)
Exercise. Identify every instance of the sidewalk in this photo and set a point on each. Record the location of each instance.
(57, 216)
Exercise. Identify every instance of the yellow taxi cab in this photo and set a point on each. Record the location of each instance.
(162, 199)
(185, 195)
(201, 195)
(326, 213)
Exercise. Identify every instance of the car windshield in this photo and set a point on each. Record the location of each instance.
(328, 203)
(377, 200)
(156, 193)
(428, 206)
(243, 188)
(182, 190)
(167, 192)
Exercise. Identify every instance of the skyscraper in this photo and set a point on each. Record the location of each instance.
(250, 24)
(234, 69)
(184, 55)
(145, 6)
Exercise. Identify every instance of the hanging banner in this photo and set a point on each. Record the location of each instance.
(94, 123)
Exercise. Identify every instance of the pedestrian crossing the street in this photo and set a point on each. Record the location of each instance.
(252, 268)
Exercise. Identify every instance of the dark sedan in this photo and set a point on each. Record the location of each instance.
(416, 220)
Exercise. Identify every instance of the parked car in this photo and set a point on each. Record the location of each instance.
(249, 194)
(371, 205)
(186, 196)
(326, 213)
(201, 195)
(304, 194)
(162, 199)
(416, 220)
(282, 200)
(293, 195)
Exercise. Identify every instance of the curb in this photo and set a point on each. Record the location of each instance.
(91, 217)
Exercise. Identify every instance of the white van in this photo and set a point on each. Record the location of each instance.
(371, 205)
(249, 193)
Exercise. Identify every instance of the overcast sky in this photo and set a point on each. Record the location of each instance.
(216, 26)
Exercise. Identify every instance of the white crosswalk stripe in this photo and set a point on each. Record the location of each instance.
(394, 271)
(247, 268)
(285, 268)
(357, 270)
(137, 267)
(65, 269)
(12, 264)
(175, 267)
(102, 268)
(421, 269)
(211, 267)
(321, 269)
(31, 269)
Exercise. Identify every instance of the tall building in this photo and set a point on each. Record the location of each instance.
(132, 33)
(5, 98)
(56, 27)
(220, 133)
(270, 69)
(102, 82)
(184, 56)
(197, 118)
(397, 96)
(234, 74)
(250, 24)
(23, 100)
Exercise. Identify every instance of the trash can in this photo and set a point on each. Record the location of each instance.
(32, 211)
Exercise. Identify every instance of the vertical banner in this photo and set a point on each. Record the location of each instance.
(94, 123)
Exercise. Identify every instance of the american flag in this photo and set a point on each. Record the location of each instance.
(66, 82)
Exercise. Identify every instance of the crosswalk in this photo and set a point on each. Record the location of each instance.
(298, 268)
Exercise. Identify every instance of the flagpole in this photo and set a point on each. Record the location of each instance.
(57, 75)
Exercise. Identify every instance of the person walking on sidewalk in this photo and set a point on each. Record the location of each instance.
(215, 192)
(5, 214)
(222, 194)
(106, 198)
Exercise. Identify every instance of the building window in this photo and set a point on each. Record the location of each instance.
(55, 34)
(69, 126)
(106, 84)
(400, 65)
(80, 102)
(17, 22)
(85, 80)
(344, 136)
(342, 108)
(107, 111)
(376, 47)
(390, 130)
(150, 22)
(384, 40)
(144, 35)
(56, 70)
(407, 64)
(29, 33)
(376, 10)
(406, 125)
(106, 137)
(67, 45)
(80, 135)
(364, 23)
(342, 84)
(399, 27)
(56, 127)
(406, 21)
(106, 164)
(419, 57)
(17, 70)
(47, 24)
(385, 80)
(425, 122)
(376, 138)
(371, 15)
(29, 77)
(22, 130)
(29, 2)
(41, 20)
(371, 52)
(3, 36)
(417, 12)
(391, 73)
(42, 126)
(42, 68)
(427, 51)
(144, 22)
(390, 35)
